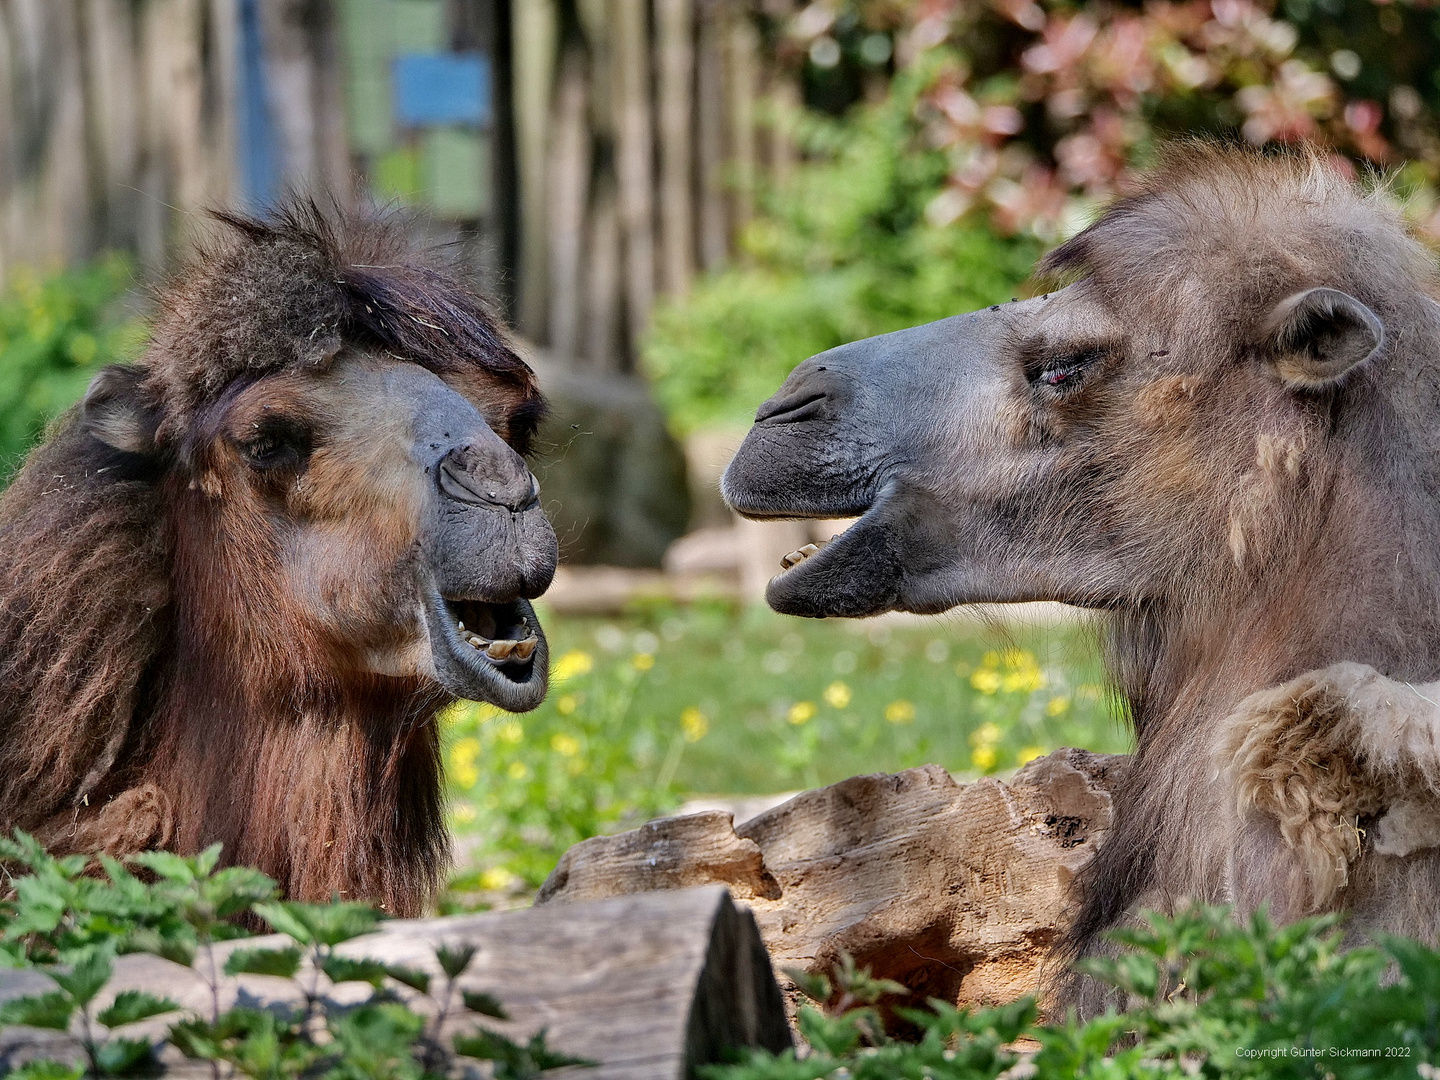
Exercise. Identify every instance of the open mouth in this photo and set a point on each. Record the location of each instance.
(501, 631)
(486, 651)
(853, 574)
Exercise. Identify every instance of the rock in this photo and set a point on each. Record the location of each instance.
(612, 478)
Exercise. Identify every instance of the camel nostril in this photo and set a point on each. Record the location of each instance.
(793, 408)
(472, 476)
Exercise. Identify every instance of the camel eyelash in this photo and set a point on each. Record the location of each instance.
(1063, 373)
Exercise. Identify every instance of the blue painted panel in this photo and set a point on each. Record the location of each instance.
(259, 141)
(442, 88)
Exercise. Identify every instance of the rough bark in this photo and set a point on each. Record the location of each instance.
(649, 986)
(956, 891)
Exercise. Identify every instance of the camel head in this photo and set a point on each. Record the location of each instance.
(356, 506)
(1139, 434)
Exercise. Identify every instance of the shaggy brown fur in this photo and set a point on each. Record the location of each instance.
(1290, 527)
(158, 687)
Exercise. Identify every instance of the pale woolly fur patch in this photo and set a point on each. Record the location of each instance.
(1328, 749)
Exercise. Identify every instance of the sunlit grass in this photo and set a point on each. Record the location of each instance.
(670, 702)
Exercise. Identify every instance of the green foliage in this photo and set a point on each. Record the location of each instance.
(1205, 994)
(69, 923)
(55, 333)
(841, 252)
(747, 701)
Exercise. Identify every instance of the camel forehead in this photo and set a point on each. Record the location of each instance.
(361, 396)
(1077, 313)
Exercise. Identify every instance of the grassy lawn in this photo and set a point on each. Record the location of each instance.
(713, 699)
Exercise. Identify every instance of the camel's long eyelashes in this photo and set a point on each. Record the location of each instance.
(1064, 374)
(277, 446)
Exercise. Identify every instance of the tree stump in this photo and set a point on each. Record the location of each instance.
(648, 986)
(956, 891)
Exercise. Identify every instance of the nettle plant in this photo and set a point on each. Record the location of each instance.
(71, 917)
(1203, 993)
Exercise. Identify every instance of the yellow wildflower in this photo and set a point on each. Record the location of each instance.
(463, 770)
(695, 724)
(1058, 706)
(565, 745)
(571, 665)
(518, 770)
(983, 758)
(837, 695)
(900, 712)
(801, 712)
(510, 732)
(990, 659)
(986, 680)
(496, 878)
(987, 734)
(643, 661)
(1029, 753)
(566, 705)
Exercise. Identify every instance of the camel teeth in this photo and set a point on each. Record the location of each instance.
(500, 650)
(525, 649)
(476, 640)
(799, 555)
(460, 625)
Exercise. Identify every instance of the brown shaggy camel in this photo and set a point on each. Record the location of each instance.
(1224, 435)
(243, 575)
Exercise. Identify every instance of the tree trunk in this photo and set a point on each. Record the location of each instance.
(569, 180)
(955, 891)
(675, 44)
(634, 161)
(533, 43)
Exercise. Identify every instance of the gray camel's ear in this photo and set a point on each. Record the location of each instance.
(1318, 336)
(114, 412)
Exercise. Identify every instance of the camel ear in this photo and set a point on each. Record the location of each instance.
(114, 412)
(1318, 336)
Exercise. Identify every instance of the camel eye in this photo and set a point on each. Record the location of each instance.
(276, 447)
(1065, 373)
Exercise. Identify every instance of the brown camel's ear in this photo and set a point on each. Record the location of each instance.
(1317, 336)
(114, 412)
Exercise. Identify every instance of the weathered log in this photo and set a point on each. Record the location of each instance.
(648, 986)
(956, 891)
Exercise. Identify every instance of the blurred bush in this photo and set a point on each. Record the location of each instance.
(55, 333)
(841, 252)
(1042, 107)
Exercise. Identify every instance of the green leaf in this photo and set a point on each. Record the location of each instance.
(454, 960)
(547, 1059)
(283, 962)
(319, 924)
(813, 985)
(344, 969)
(86, 977)
(486, 1046)
(279, 915)
(46, 1070)
(196, 1039)
(411, 977)
(132, 1005)
(52, 1010)
(485, 1004)
(167, 865)
(118, 1057)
